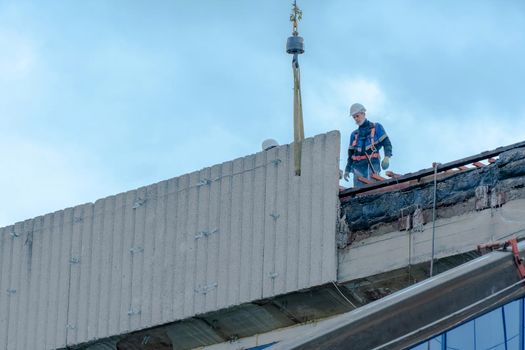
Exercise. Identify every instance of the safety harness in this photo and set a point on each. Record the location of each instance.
(374, 154)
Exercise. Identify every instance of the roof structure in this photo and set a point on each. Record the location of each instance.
(245, 254)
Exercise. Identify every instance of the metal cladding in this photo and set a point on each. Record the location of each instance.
(240, 231)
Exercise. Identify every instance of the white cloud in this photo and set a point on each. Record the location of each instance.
(330, 100)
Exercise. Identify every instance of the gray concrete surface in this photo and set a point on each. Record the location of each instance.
(226, 235)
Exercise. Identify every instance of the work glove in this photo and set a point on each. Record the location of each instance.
(346, 176)
(385, 163)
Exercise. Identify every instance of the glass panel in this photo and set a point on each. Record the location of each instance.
(485, 332)
(461, 337)
(422, 346)
(489, 330)
(512, 320)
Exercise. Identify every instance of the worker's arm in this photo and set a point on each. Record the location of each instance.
(384, 141)
(387, 147)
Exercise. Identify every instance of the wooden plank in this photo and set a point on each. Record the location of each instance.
(377, 177)
(365, 180)
(478, 164)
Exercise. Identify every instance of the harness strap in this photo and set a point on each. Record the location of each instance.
(372, 134)
(373, 155)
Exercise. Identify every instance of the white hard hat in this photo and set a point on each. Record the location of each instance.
(357, 108)
(269, 143)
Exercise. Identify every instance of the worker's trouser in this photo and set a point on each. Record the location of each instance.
(362, 168)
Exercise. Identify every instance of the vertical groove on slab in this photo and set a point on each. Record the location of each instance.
(235, 242)
(330, 202)
(128, 218)
(247, 203)
(180, 245)
(34, 267)
(137, 257)
(170, 251)
(305, 216)
(201, 237)
(189, 286)
(116, 275)
(5, 261)
(259, 193)
(50, 315)
(292, 245)
(74, 279)
(14, 289)
(224, 238)
(270, 217)
(42, 284)
(284, 172)
(106, 260)
(316, 226)
(25, 284)
(96, 267)
(149, 253)
(213, 239)
(159, 273)
(64, 231)
(84, 270)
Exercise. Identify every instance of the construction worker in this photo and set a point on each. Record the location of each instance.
(365, 142)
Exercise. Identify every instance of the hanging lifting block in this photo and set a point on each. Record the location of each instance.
(491, 160)
(295, 45)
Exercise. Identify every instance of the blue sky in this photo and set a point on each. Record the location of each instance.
(99, 97)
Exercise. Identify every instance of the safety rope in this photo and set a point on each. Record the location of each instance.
(435, 165)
